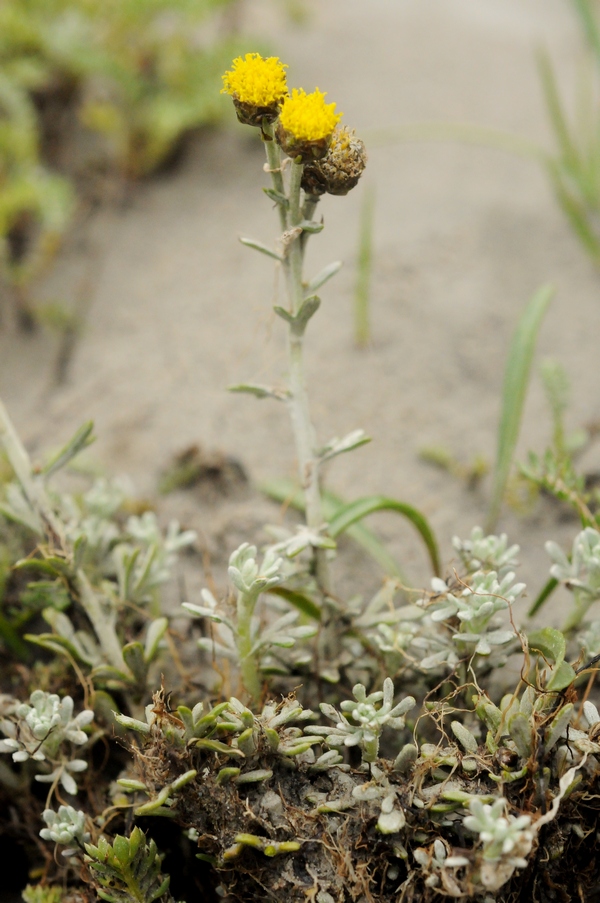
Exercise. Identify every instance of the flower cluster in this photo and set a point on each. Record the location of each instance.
(258, 87)
(306, 124)
(303, 124)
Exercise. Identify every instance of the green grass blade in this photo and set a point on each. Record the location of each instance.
(516, 379)
(575, 211)
(546, 591)
(82, 438)
(555, 111)
(350, 514)
(301, 601)
(287, 493)
(589, 24)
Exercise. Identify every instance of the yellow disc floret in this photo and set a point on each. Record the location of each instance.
(256, 81)
(307, 117)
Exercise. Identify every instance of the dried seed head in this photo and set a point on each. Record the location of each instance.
(340, 169)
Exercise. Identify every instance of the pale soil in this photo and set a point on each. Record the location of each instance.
(463, 236)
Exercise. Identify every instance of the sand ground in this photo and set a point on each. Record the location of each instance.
(463, 236)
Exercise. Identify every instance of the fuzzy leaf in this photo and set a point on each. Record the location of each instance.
(464, 737)
(520, 729)
(311, 226)
(260, 391)
(258, 246)
(338, 446)
(216, 746)
(321, 278)
(155, 633)
(53, 566)
(558, 725)
(562, 676)
(276, 196)
(550, 642)
(133, 653)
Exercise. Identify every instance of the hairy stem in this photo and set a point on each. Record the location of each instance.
(274, 167)
(304, 433)
(581, 603)
(246, 603)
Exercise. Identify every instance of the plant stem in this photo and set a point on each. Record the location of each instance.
(577, 612)
(304, 433)
(246, 603)
(274, 164)
(308, 463)
(103, 622)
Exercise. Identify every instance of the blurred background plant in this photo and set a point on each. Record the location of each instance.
(35, 204)
(94, 94)
(574, 169)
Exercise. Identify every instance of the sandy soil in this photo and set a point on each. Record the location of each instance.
(463, 237)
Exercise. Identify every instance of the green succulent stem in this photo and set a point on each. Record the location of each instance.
(371, 750)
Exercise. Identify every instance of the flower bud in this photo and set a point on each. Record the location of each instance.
(340, 169)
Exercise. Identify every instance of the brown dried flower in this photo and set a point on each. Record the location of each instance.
(340, 169)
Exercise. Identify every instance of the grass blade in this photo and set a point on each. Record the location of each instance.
(350, 514)
(546, 591)
(590, 26)
(301, 601)
(82, 438)
(287, 493)
(555, 111)
(574, 210)
(516, 379)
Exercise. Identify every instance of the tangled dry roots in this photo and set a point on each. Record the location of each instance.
(341, 856)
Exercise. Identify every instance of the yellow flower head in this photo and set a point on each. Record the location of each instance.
(307, 117)
(256, 81)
